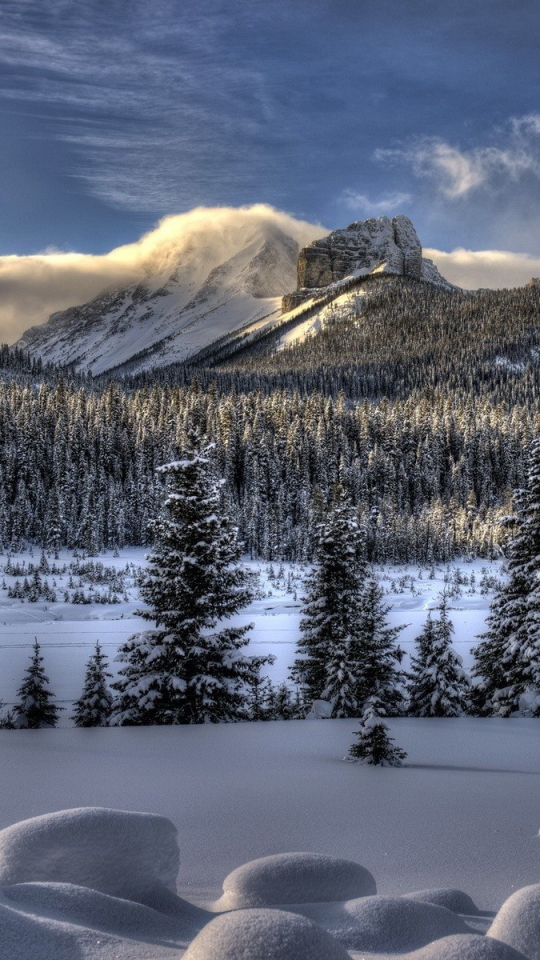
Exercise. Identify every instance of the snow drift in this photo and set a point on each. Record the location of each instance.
(93, 883)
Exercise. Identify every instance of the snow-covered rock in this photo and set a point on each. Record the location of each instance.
(452, 899)
(129, 855)
(319, 710)
(518, 922)
(295, 878)
(360, 247)
(380, 923)
(264, 935)
(466, 947)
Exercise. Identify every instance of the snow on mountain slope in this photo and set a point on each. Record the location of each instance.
(219, 285)
(232, 271)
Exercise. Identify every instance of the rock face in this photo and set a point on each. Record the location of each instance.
(363, 245)
(376, 246)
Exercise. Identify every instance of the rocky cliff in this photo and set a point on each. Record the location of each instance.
(365, 246)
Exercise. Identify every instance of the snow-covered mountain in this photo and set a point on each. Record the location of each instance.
(229, 284)
(172, 313)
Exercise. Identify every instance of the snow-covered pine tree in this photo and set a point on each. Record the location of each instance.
(94, 706)
(35, 707)
(507, 661)
(190, 668)
(382, 676)
(374, 745)
(331, 661)
(438, 685)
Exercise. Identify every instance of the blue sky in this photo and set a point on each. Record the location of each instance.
(118, 112)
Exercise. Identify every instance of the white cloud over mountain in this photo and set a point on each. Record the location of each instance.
(31, 288)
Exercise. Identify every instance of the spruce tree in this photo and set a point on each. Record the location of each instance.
(438, 685)
(94, 707)
(190, 668)
(35, 708)
(374, 745)
(507, 661)
(331, 660)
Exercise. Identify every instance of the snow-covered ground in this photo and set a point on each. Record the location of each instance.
(68, 631)
(463, 812)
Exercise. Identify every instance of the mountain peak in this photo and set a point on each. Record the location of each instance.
(376, 245)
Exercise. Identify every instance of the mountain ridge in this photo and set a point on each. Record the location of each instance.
(174, 315)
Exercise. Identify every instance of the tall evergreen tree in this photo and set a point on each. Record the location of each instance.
(331, 659)
(507, 661)
(438, 685)
(190, 668)
(94, 707)
(35, 707)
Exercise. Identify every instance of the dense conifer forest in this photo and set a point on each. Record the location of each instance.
(421, 403)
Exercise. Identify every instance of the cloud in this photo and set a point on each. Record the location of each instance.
(457, 171)
(360, 202)
(485, 268)
(31, 288)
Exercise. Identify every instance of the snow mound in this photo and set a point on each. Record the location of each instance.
(129, 855)
(518, 922)
(264, 935)
(466, 947)
(378, 924)
(294, 878)
(28, 938)
(454, 900)
(99, 911)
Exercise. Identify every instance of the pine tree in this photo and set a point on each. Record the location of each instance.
(331, 661)
(94, 707)
(374, 745)
(507, 661)
(382, 677)
(35, 708)
(438, 685)
(190, 668)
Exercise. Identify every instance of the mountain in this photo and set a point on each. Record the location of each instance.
(210, 299)
(172, 314)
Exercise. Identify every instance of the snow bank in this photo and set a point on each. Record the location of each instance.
(518, 922)
(264, 935)
(454, 900)
(378, 924)
(466, 947)
(294, 878)
(129, 855)
(99, 911)
(28, 938)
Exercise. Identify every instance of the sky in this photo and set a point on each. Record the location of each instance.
(118, 113)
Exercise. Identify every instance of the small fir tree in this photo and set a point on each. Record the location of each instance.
(190, 668)
(94, 707)
(438, 684)
(374, 745)
(35, 708)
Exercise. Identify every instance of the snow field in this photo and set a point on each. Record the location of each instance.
(68, 631)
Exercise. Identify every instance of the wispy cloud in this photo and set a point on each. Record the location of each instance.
(142, 103)
(361, 203)
(459, 171)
